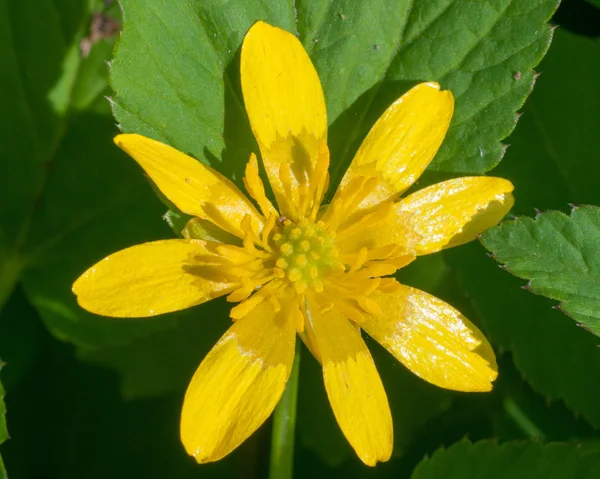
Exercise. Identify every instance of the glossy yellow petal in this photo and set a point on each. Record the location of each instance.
(353, 386)
(285, 104)
(453, 212)
(403, 141)
(193, 187)
(238, 384)
(146, 280)
(443, 215)
(433, 340)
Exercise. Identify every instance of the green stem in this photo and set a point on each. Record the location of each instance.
(521, 420)
(284, 427)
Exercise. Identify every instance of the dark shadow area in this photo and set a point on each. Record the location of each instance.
(578, 16)
(67, 418)
(238, 137)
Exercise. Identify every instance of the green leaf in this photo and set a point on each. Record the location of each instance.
(176, 72)
(44, 78)
(559, 359)
(555, 145)
(551, 162)
(595, 2)
(66, 187)
(96, 201)
(514, 459)
(39, 57)
(559, 255)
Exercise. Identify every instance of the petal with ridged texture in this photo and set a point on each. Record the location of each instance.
(146, 280)
(285, 105)
(403, 141)
(441, 216)
(193, 187)
(353, 386)
(238, 384)
(433, 340)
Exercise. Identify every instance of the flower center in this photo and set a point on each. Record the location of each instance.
(305, 254)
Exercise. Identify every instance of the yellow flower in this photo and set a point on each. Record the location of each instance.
(321, 271)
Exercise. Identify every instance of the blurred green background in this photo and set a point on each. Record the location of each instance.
(89, 397)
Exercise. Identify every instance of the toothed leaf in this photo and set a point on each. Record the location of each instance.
(559, 255)
(367, 54)
(514, 459)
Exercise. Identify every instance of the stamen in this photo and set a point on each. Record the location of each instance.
(369, 305)
(255, 187)
(320, 179)
(367, 221)
(350, 311)
(285, 176)
(269, 225)
(298, 318)
(275, 303)
(359, 260)
(242, 309)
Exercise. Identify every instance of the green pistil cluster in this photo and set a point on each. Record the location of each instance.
(306, 254)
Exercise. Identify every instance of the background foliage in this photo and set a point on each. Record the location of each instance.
(93, 397)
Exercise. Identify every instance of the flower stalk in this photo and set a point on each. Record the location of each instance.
(284, 427)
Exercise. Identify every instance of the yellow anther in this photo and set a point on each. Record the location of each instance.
(300, 286)
(369, 305)
(279, 273)
(275, 304)
(287, 249)
(326, 307)
(307, 255)
(281, 263)
(301, 260)
(294, 274)
(245, 306)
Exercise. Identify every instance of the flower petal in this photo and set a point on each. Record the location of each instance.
(146, 280)
(403, 141)
(193, 187)
(285, 104)
(440, 216)
(433, 340)
(238, 384)
(353, 386)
